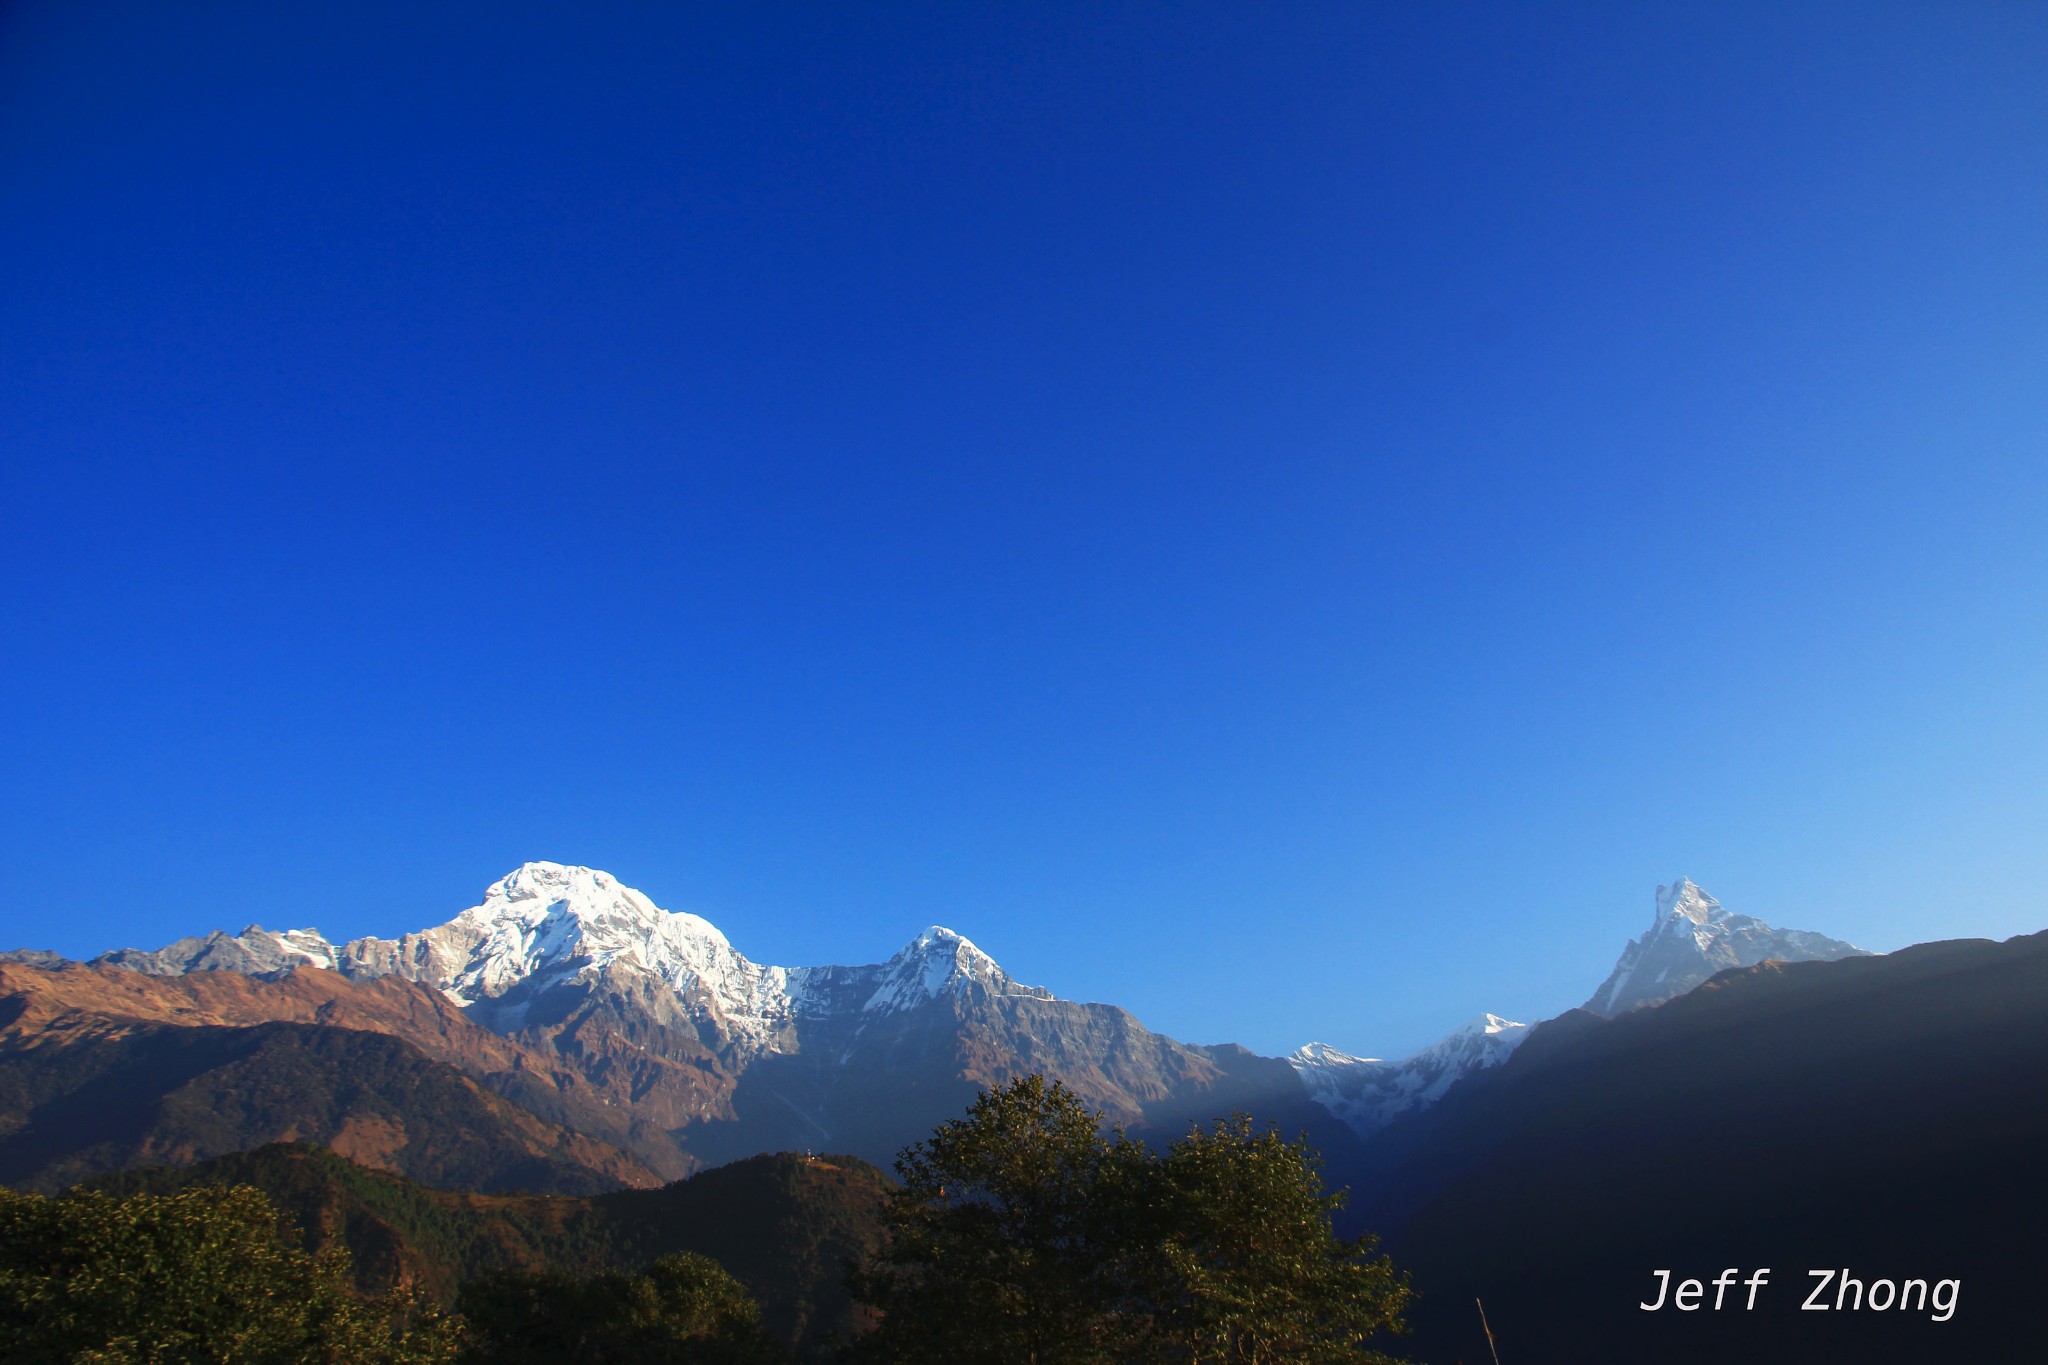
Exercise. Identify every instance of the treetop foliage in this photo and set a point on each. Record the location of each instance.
(684, 1309)
(196, 1276)
(1026, 1233)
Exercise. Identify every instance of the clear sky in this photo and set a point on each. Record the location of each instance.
(1290, 518)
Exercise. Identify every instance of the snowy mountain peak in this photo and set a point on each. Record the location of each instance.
(940, 942)
(1322, 1054)
(546, 918)
(1684, 898)
(1692, 938)
(940, 962)
(550, 881)
(1368, 1093)
(535, 893)
(546, 924)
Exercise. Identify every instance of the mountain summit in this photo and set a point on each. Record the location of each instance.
(1691, 937)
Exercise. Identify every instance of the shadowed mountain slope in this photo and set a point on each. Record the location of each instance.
(1883, 1114)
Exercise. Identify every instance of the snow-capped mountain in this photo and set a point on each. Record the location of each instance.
(724, 1057)
(547, 927)
(1368, 1093)
(715, 1056)
(1690, 939)
(938, 962)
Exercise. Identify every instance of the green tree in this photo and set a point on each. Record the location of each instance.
(1025, 1233)
(997, 1235)
(200, 1277)
(1239, 1261)
(684, 1309)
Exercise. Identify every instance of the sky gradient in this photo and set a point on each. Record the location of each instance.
(1292, 520)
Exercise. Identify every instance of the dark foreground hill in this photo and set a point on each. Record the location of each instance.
(1887, 1116)
(785, 1226)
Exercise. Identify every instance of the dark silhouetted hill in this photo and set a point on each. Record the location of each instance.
(1888, 1115)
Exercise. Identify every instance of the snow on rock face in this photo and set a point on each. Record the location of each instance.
(1690, 939)
(309, 945)
(546, 918)
(549, 924)
(255, 951)
(936, 963)
(1368, 1093)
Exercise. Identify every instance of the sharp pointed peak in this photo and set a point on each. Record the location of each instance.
(1684, 898)
(937, 943)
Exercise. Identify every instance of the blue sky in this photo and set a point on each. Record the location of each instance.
(1293, 519)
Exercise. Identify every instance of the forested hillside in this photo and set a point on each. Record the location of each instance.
(785, 1226)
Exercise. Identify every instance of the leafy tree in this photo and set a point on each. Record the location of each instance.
(200, 1276)
(997, 1237)
(1025, 1233)
(684, 1308)
(1238, 1259)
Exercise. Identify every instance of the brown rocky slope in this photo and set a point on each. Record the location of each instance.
(102, 1069)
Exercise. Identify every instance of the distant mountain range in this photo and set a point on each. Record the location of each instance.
(1732, 1095)
(645, 1032)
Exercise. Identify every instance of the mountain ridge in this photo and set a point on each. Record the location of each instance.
(654, 1013)
(726, 1057)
